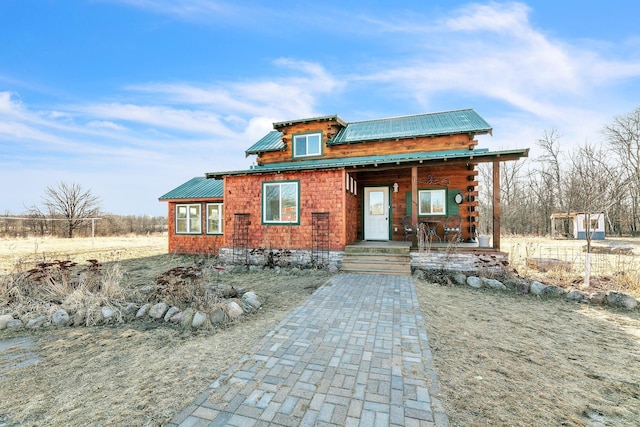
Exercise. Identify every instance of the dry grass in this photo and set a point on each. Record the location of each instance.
(501, 359)
(608, 271)
(514, 360)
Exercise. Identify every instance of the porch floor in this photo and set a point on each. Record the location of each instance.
(433, 246)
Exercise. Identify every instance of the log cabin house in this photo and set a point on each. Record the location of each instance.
(321, 184)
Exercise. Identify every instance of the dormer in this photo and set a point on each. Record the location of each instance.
(295, 140)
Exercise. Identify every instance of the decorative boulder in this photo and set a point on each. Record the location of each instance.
(494, 284)
(79, 317)
(217, 316)
(537, 288)
(198, 319)
(142, 311)
(577, 296)
(130, 309)
(234, 310)
(474, 282)
(333, 269)
(598, 297)
(553, 291)
(107, 313)
(522, 287)
(158, 310)
(4, 319)
(36, 323)
(60, 318)
(618, 299)
(459, 278)
(15, 324)
(187, 318)
(170, 313)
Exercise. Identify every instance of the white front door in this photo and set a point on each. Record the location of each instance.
(376, 213)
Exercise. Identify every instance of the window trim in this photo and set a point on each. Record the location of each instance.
(188, 218)
(264, 202)
(306, 134)
(433, 190)
(220, 217)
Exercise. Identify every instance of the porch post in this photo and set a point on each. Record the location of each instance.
(414, 195)
(496, 204)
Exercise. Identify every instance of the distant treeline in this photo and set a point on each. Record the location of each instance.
(106, 225)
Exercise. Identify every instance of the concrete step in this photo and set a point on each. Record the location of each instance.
(385, 271)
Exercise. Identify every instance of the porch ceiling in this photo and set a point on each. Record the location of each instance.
(478, 155)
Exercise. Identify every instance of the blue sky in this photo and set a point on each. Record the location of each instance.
(130, 98)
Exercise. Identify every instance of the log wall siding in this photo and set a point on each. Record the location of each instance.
(202, 243)
(370, 148)
(456, 178)
(320, 191)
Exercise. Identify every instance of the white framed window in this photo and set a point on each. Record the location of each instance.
(432, 202)
(214, 218)
(280, 202)
(307, 145)
(188, 219)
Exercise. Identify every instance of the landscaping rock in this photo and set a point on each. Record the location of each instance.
(142, 311)
(333, 269)
(15, 324)
(474, 282)
(217, 316)
(522, 287)
(459, 279)
(554, 291)
(537, 288)
(4, 319)
(619, 299)
(177, 317)
(158, 310)
(494, 284)
(130, 309)
(249, 295)
(419, 274)
(253, 302)
(198, 319)
(60, 318)
(187, 318)
(36, 323)
(597, 297)
(577, 296)
(79, 317)
(512, 284)
(107, 313)
(170, 313)
(234, 310)
(256, 268)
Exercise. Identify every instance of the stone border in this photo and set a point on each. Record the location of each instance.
(521, 286)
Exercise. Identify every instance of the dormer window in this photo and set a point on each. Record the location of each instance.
(307, 145)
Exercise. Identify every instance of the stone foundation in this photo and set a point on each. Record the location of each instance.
(471, 262)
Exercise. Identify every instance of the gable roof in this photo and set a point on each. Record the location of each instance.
(197, 188)
(419, 125)
(431, 124)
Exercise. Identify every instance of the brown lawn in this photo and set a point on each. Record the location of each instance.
(502, 359)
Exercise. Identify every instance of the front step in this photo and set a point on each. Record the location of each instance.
(377, 259)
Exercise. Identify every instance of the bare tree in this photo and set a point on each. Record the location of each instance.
(597, 184)
(623, 136)
(73, 203)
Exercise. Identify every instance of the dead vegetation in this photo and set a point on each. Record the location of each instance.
(501, 359)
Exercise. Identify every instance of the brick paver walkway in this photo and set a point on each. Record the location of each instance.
(354, 354)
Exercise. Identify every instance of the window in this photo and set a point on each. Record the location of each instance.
(432, 202)
(188, 219)
(280, 202)
(214, 218)
(307, 145)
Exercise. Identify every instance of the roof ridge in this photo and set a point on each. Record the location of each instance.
(410, 115)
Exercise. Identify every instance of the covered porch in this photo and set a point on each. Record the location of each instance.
(428, 200)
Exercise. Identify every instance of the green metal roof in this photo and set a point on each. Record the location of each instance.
(432, 124)
(197, 188)
(376, 160)
(270, 142)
